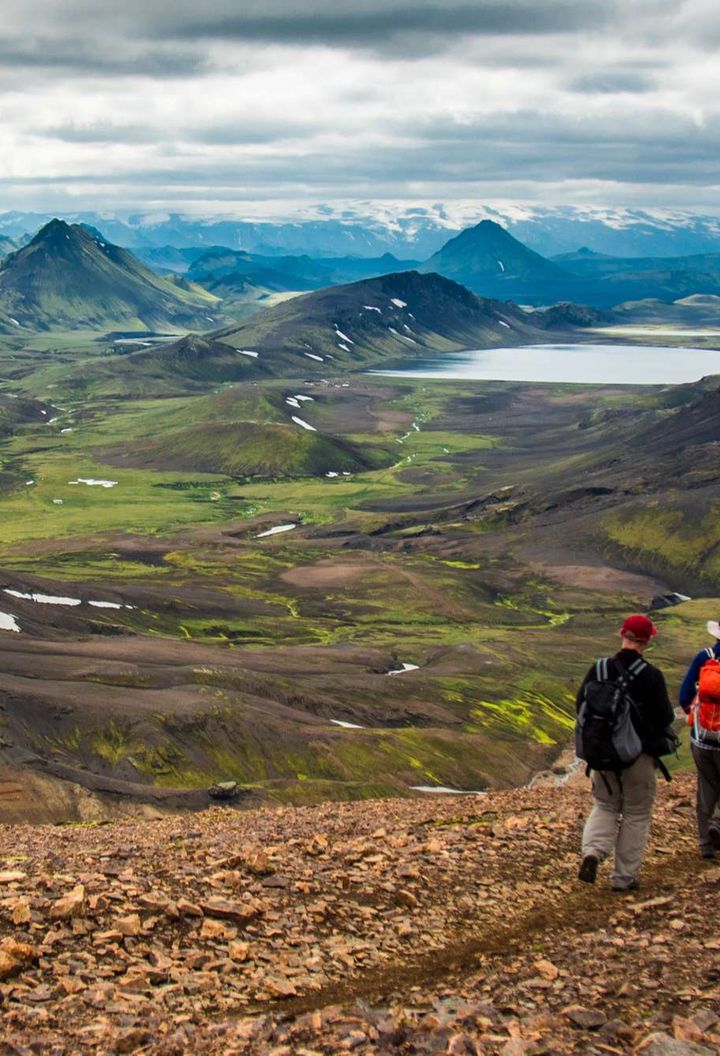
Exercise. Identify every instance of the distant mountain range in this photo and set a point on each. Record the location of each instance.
(69, 278)
(370, 229)
(485, 258)
(489, 260)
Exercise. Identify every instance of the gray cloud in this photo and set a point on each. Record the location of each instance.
(151, 101)
(242, 132)
(98, 133)
(612, 82)
(80, 58)
(156, 39)
(372, 22)
(531, 148)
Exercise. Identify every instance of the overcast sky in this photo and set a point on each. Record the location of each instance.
(259, 106)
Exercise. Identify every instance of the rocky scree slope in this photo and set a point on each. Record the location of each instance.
(445, 925)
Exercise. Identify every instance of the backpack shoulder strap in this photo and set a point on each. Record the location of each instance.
(601, 669)
(636, 668)
(710, 652)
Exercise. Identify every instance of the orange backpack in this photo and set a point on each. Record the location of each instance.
(707, 706)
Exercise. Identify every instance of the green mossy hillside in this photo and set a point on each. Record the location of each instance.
(253, 449)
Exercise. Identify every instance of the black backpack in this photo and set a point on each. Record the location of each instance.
(605, 736)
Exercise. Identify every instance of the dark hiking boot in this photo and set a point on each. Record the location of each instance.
(621, 889)
(714, 837)
(588, 869)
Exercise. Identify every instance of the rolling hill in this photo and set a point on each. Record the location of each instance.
(251, 449)
(222, 269)
(618, 279)
(69, 278)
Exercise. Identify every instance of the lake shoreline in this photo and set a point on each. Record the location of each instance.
(573, 363)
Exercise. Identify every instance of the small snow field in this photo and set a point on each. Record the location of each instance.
(247, 352)
(277, 530)
(402, 670)
(372, 308)
(311, 355)
(398, 303)
(403, 337)
(346, 725)
(443, 790)
(503, 323)
(8, 623)
(303, 424)
(93, 483)
(292, 402)
(344, 337)
(303, 399)
(42, 599)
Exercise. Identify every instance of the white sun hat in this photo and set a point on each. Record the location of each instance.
(713, 627)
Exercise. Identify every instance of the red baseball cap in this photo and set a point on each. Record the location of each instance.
(638, 626)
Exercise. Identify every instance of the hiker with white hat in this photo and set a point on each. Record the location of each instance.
(700, 699)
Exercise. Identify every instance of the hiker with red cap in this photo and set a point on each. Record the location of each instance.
(700, 699)
(623, 727)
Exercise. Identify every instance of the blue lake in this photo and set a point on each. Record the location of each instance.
(578, 364)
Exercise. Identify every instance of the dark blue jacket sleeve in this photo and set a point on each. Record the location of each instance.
(687, 689)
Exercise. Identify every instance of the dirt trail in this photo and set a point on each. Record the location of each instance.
(580, 911)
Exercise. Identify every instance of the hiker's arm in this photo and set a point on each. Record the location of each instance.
(687, 689)
(667, 711)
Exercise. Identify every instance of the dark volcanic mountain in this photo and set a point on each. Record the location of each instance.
(69, 278)
(488, 260)
(373, 323)
(369, 322)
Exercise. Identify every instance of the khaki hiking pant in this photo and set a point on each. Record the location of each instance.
(620, 819)
(707, 761)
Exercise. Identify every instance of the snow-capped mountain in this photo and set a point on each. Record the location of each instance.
(370, 229)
